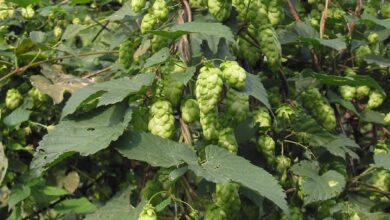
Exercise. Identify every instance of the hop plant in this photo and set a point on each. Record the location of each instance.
(246, 51)
(160, 10)
(284, 112)
(208, 88)
(261, 117)
(158, 42)
(387, 119)
(295, 214)
(381, 180)
(270, 46)
(13, 99)
(37, 96)
(385, 10)
(151, 187)
(347, 92)
(149, 21)
(57, 31)
(227, 197)
(162, 122)
(361, 52)
(375, 99)
(210, 125)
(172, 91)
(362, 92)
(233, 74)
(215, 212)
(236, 105)
(282, 164)
(275, 12)
(220, 9)
(148, 213)
(257, 13)
(137, 5)
(28, 12)
(266, 145)
(227, 140)
(197, 3)
(241, 9)
(126, 51)
(189, 110)
(319, 108)
(373, 38)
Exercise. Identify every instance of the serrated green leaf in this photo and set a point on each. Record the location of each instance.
(114, 91)
(3, 163)
(317, 136)
(358, 80)
(147, 147)
(37, 36)
(377, 60)
(18, 193)
(207, 28)
(382, 160)
(373, 117)
(122, 12)
(72, 30)
(86, 135)
(333, 98)
(54, 191)
(382, 22)
(184, 77)
(160, 207)
(17, 117)
(77, 206)
(75, 2)
(219, 166)
(117, 208)
(316, 187)
(255, 88)
(157, 58)
(24, 3)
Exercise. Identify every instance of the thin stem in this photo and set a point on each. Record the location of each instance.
(323, 19)
(24, 68)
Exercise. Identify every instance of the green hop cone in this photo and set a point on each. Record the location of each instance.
(162, 176)
(373, 38)
(158, 42)
(282, 163)
(347, 92)
(275, 12)
(246, 51)
(160, 10)
(362, 92)
(172, 91)
(208, 88)
(162, 122)
(319, 108)
(295, 214)
(236, 105)
(270, 46)
(137, 5)
(266, 145)
(126, 50)
(241, 9)
(197, 3)
(381, 180)
(13, 99)
(375, 99)
(148, 213)
(210, 125)
(220, 9)
(173, 67)
(361, 52)
(387, 119)
(189, 110)
(261, 117)
(37, 96)
(385, 10)
(257, 13)
(227, 197)
(233, 74)
(149, 21)
(151, 187)
(227, 140)
(284, 112)
(215, 212)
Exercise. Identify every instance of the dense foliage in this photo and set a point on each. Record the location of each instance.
(194, 109)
